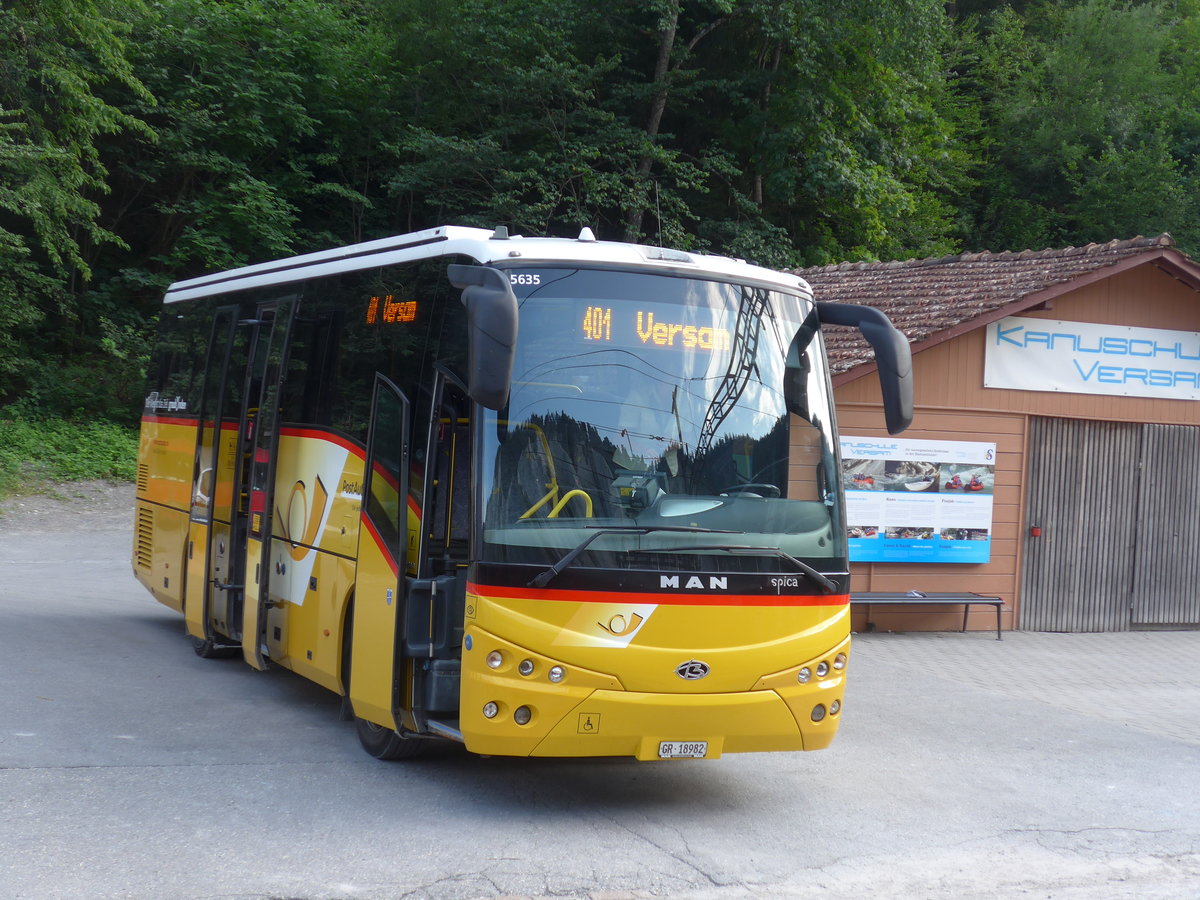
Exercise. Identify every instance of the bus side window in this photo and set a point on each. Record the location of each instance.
(386, 463)
(309, 388)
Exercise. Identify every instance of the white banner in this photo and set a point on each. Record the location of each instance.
(1086, 358)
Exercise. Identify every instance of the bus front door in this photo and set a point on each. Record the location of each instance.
(379, 597)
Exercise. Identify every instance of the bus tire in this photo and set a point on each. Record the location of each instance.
(383, 743)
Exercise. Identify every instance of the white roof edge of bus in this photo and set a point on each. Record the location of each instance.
(477, 243)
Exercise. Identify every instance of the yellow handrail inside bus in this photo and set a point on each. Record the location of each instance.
(577, 492)
(553, 483)
(529, 512)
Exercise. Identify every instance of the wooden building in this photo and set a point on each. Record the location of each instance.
(1082, 366)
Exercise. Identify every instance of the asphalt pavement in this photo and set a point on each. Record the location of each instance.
(1043, 765)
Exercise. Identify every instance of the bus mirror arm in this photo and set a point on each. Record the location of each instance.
(893, 357)
(491, 331)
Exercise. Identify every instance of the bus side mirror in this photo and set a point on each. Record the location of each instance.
(893, 357)
(491, 331)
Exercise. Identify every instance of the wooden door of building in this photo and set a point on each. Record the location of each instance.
(1114, 523)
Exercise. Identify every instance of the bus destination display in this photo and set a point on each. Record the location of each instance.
(390, 310)
(651, 326)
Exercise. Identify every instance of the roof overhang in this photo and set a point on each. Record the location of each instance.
(1170, 261)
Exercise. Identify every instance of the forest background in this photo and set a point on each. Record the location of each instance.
(144, 141)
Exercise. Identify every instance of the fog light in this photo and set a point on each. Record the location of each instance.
(835, 707)
(525, 667)
(818, 713)
(522, 715)
(804, 676)
(822, 669)
(556, 674)
(495, 659)
(490, 709)
(839, 661)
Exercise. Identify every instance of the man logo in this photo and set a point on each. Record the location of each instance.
(694, 583)
(692, 670)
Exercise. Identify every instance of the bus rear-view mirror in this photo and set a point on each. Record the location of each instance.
(893, 357)
(491, 331)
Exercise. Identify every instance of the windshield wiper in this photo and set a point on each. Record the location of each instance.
(747, 550)
(547, 576)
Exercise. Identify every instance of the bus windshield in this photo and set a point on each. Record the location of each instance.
(655, 419)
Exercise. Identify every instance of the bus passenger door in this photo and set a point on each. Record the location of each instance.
(382, 549)
(210, 551)
(433, 626)
(256, 497)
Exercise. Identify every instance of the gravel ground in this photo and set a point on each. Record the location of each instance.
(71, 506)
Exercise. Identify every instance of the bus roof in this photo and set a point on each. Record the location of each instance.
(485, 247)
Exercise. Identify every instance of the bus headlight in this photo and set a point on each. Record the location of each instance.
(522, 715)
(495, 659)
(525, 667)
(491, 709)
(556, 674)
(804, 676)
(839, 661)
(822, 669)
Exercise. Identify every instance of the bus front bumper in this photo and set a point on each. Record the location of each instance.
(601, 719)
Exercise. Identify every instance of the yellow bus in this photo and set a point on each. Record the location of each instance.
(542, 497)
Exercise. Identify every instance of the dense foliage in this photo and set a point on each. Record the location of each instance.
(142, 141)
(34, 451)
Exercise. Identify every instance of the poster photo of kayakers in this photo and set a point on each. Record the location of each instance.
(967, 478)
(910, 500)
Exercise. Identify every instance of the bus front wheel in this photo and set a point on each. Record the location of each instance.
(383, 743)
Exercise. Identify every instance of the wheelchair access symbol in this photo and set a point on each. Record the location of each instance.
(589, 723)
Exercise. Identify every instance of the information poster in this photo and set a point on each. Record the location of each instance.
(918, 501)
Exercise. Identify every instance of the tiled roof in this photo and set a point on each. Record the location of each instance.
(928, 297)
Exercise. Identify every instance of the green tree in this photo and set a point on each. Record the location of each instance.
(56, 59)
(1086, 137)
(776, 130)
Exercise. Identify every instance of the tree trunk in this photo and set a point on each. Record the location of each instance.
(658, 105)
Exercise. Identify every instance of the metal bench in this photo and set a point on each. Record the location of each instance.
(919, 598)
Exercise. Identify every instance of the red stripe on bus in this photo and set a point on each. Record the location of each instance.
(328, 436)
(382, 545)
(632, 597)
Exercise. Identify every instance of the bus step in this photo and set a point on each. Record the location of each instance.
(445, 729)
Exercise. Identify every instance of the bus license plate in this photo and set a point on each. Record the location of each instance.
(682, 749)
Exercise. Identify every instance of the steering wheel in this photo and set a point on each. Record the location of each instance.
(760, 490)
